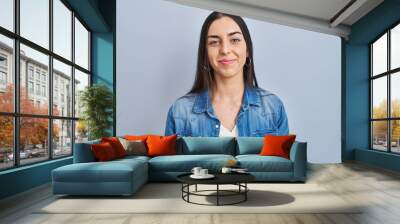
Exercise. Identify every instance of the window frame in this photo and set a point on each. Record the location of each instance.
(16, 114)
(388, 74)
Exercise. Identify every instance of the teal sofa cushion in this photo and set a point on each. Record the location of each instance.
(206, 145)
(257, 163)
(249, 145)
(185, 163)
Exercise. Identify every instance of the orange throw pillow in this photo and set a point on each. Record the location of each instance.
(116, 145)
(277, 145)
(136, 137)
(161, 145)
(103, 152)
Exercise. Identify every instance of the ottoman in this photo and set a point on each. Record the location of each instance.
(118, 177)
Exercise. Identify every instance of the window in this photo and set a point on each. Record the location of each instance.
(30, 72)
(55, 127)
(81, 45)
(62, 29)
(3, 78)
(34, 21)
(6, 72)
(3, 61)
(43, 90)
(38, 89)
(7, 14)
(30, 87)
(385, 91)
(3, 72)
(38, 74)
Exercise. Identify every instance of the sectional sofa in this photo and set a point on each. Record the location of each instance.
(125, 176)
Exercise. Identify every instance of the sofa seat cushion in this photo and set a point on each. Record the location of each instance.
(257, 163)
(112, 171)
(185, 163)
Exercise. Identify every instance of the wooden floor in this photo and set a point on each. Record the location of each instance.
(378, 188)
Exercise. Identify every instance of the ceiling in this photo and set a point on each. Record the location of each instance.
(326, 16)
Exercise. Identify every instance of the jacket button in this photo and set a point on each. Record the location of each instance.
(216, 126)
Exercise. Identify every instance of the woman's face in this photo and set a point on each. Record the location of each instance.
(226, 47)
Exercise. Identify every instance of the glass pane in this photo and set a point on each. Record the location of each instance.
(62, 89)
(6, 74)
(379, 55)
(81, 131)
(81, 45)
(6, 142)
(81, 81)
(395, 136)
(7, 14)
(33, 139)
(62, 29)
(379, 100)
(395, 47)
(379, 135)
(34, 82)
(62, 138)
(35, 21)
(395, 94)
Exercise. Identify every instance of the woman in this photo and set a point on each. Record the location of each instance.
(225, 99)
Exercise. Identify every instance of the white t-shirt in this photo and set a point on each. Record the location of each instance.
(224, 132)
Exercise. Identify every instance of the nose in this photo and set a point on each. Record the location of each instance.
(225, 48)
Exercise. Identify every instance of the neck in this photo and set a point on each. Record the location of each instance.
(230, 89)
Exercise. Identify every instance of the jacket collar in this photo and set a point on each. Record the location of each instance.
(202, 101)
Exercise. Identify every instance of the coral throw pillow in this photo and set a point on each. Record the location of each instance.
(103, 152)
(277, 145)
(116, 145)
(161, 145)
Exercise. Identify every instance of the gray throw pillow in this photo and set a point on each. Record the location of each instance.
(136, 147)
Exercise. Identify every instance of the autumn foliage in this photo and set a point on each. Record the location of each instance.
(33, 131)
(380, 127)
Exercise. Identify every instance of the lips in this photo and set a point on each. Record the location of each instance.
(226, 61)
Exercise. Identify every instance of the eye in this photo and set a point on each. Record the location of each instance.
(235, 40)
(213, 43)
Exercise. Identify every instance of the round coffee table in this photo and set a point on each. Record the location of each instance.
(238, 179)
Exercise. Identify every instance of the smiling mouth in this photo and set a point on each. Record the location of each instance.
(226, 62)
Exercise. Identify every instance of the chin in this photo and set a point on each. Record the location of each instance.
(228, 74)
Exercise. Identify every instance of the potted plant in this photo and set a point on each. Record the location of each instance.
(96, 102)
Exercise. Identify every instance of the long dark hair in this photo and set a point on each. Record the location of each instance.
(205, 74)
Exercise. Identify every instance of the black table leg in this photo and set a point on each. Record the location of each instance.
(245, 193)
(217, 194)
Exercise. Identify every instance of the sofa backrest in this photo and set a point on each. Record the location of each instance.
(249, 145)
(83, 152)
(206, 145)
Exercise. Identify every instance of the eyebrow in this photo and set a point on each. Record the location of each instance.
(229, 34)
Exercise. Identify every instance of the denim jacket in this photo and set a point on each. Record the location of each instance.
(261, 113)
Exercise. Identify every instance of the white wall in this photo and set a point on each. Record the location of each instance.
(156, 59)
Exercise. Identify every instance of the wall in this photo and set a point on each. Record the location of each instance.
(157, 49)
(357, 85)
